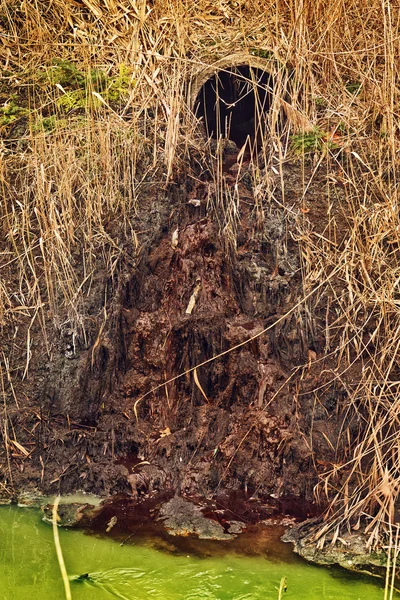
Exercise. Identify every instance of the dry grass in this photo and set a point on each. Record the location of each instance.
(60, 557)
(65, 187)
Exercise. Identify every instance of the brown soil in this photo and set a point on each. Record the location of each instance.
(249, 431)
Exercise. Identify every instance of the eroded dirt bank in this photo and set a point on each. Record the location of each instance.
(250, 422)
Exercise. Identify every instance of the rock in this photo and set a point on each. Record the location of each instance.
(31, 499)
(185, 518)
(236, 527)
(72, 515)
(348, 551)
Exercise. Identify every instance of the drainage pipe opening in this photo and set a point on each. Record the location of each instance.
(234, 103)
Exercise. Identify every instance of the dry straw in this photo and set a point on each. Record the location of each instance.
(64, 187)
(57, 544)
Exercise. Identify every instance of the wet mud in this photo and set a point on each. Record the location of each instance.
(205, 280)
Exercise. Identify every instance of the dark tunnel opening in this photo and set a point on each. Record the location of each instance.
(234, 104)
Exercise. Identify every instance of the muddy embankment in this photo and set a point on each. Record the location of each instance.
(244, 429)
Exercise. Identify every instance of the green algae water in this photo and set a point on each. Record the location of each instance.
(101, 568)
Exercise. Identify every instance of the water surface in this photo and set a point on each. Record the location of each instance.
(141, 571)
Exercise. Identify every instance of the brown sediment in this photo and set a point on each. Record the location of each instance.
(253, 427)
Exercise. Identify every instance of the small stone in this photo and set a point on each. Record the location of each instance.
(185, 518)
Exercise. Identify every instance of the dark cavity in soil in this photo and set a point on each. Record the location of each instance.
(233, 103)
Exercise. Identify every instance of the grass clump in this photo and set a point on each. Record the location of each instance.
(66, 74)
(353, 87)
(315, 141)
(11, 112)
(87, 90)
(49, 124)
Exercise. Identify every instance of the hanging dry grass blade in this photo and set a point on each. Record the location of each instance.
(197, 382)
(193, 299)
(299, 121)
(20, 447)
(94, 8)
(60, 557)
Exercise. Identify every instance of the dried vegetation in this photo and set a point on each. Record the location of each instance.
(94, 111)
